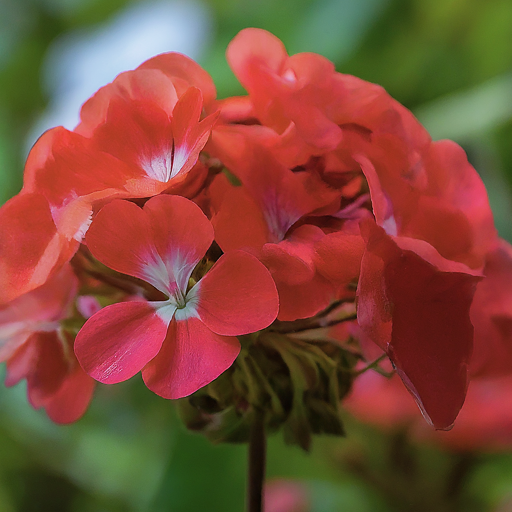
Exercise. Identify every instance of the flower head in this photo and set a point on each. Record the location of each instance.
(186, 341)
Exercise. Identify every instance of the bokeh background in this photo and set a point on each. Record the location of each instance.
(449, 61)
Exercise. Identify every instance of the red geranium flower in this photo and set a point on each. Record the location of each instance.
(37, 349)
(139, 136)
(188, 340)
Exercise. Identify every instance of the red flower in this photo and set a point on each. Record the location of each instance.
(38, 350)
(188, 340)
(262, 216)
(485, 421)
(433, 224)
(142, 136)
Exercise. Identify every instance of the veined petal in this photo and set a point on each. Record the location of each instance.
(120, 237)
(189, 135)
(237, 296)
(160, 244)
(181, 234)
(191, 357)
(119, 340)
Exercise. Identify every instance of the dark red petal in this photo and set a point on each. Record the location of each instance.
(119, 340)
(419, 313)
(191, 357)
(491, 314)
(237, 296)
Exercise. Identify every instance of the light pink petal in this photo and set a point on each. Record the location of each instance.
(119, 340)
(191, 357)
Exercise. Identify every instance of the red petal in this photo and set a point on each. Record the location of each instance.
(191, 357)
(181, 234)
(72, 399)
(305, 299)
(491, 314)
(237, 296)
(42, 362)
(39, 154)
(76, 169)
(178, 66)
(419, 313)
(239, 222)
(255, 47)
(160, 244)
(120, 237)
(189, 135)
(119, 340)
(30, 247)
(148, 85)
(339, 256)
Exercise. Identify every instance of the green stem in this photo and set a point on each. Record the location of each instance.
(257, 461)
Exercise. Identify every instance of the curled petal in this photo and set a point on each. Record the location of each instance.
(418, 311)
(255, 47)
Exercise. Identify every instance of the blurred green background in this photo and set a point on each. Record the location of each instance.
(449, 61)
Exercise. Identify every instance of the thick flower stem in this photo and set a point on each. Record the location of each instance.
(257, 461)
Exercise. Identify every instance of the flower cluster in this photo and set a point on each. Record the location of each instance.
(194, 221)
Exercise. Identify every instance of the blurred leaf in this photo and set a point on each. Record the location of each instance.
(202, 476)
(468, 113)
(334, 28)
